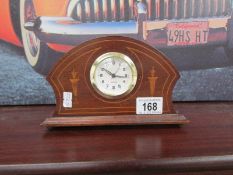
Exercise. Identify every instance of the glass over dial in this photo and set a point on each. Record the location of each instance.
(113, 75)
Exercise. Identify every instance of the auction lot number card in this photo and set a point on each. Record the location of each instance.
(149, 105)
(67, 99)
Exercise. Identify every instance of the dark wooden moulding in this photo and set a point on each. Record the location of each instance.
(156, 78)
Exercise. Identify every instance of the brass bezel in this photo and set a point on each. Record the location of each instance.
(119, 56)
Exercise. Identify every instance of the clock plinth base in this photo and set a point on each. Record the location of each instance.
(173, 119)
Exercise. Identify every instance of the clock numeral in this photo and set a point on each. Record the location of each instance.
(102, 81)
(124, 69)
(150, 106)
(101, 75)
(113, 87)
(124, 81)
(119, 86)
(126, 75)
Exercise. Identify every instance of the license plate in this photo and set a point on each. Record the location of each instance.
(193, 33)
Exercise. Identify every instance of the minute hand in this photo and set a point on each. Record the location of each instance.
(110, 73)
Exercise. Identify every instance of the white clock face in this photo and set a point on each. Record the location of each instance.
(113, 75)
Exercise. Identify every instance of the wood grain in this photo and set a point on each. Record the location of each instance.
(172, 119)
(205, 146)
(72, 74)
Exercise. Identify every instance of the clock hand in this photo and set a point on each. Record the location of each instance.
(110, 73)
(113, 75)
(118, 68)
(119, 76)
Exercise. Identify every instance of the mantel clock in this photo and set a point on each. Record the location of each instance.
(113, 81)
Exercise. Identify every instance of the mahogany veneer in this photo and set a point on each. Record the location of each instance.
(156, 77)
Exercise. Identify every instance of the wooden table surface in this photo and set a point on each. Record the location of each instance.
(205, 145)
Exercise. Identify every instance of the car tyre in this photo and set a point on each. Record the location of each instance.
(38, 54)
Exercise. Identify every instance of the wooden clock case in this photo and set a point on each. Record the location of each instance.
(156, 78)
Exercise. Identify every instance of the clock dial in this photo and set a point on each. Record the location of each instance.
(113, 75)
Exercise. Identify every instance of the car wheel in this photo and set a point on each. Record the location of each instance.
(38, 54)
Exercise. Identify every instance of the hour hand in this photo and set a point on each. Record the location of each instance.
(120, 76)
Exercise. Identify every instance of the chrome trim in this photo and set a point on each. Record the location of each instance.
(157, 9)
(79, 12)
(141, 8)
(69, 26)
(96, 10)
(209, 9)
(202, 8)
(185, 8)
(87, 11)
(71, 7)
(122, 10)
(66, 30)
(192, 8)
(117, 10)
(131, 8)
(223, 5)
(92, 23)
(30, 25)
(215, 7)
(149, 5)
(166, 9)
(113, 9)
(101, 10)
(105, 10)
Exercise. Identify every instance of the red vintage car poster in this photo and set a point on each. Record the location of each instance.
(197, 36)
